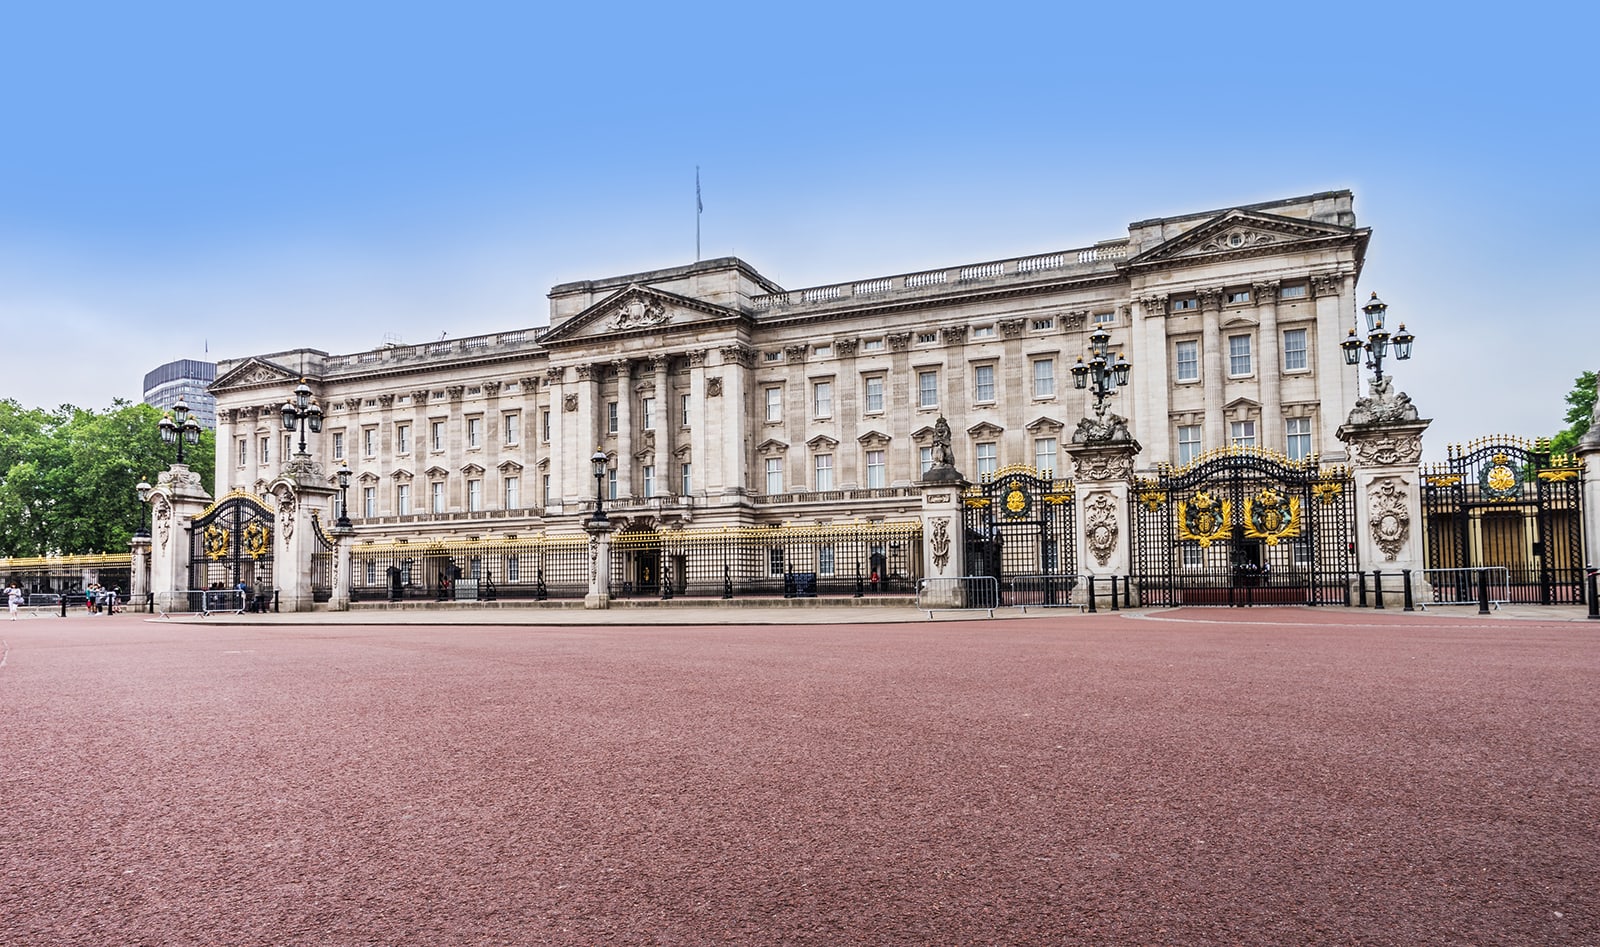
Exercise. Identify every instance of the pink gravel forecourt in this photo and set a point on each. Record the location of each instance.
(1272, 776)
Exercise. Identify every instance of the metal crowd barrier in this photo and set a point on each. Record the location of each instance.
(1043, 591)
(203, 602)
(1460, 586)
(963, 593)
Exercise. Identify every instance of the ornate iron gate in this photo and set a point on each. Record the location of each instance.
(322, 562)
(231, 543)
(1505, 502)
(1244, 526)
(1018, 523)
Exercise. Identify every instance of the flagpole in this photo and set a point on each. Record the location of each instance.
(699, 208)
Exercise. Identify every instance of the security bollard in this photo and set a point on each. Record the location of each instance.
(1091, 594)
(1405, 576)
(1377, 589)
(1114, 594)
(1363, 578)
(1483, 591)
(1594, 592)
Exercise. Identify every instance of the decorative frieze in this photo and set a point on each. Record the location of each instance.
(1388, 511)
(1100, 525)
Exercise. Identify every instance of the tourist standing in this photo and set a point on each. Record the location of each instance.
(14, 600)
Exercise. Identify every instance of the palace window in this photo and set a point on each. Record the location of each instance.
(647, 415)
(1188, 361)
(872, 345)
(988, 458)
(683, 410)
(513, 428)
(436, 496)
(927, 338)
(1044, 378)
(774, 471)
(402, 438)
(774, 402)
(1242, 433)
(1043, 325)
(436, 435)
(544, 425)
(474, 495)
(983, 332)
(402, 499)
(1044, 454)
(369, 442)
(874, 393)
(1184, 303)
(1297, 438)
(369, 502)
(1294, 350)
(875, 470)
(822, 399)
(474, 432)
(825, 560)
(649, 480)
(824, 468)
(512, 487)
(544, 488)
(1104, 318)
(1238, 355)
(264, 451)
(1238, 297)
(611, 417)
(1297, 291)
(983, 383)
(1188, 442)
(244, 449)
(924, 460)
(513, 569)
(338, 448)
(685, 479)
(927, 389)
(611, 483)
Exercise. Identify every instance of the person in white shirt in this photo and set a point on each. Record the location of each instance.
(14, 599)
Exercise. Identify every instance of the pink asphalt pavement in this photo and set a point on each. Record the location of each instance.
(1271, 777)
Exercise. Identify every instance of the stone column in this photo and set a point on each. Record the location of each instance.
(663, 428)
(177, 499)
(944, 544)
(700, 449)
(1102, 472)
(299, 490)
(599, 564)
(1588, 451)
(139, 581)
(345, 538)
(1212, 373)
(1384, 438)
(733, 387)
(624, 370)
(1269, 368)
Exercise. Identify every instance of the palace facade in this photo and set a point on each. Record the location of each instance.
(719, 398)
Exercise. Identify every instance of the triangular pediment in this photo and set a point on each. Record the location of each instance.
(1044, 425)
(874, 439)
(1238, 403)
(255, 373)
(1243, 233)
(436, 472)
(985, 429)
(822, 442)
(509, 467)
(634, 311)
(472, 470)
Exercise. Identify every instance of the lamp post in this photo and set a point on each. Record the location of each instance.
(302, 410)
(180, 427)
(1378, 340)
(598, 459)
(144, 489)
(1102, 371)
(344, 496)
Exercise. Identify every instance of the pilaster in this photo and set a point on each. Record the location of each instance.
(177, 499)
(1102, 475)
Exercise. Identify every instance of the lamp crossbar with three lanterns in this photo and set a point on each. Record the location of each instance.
(1378, 340)
(180, 427)
(302, 410)
(1102, 372)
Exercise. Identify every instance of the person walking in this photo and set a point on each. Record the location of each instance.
(14, 600)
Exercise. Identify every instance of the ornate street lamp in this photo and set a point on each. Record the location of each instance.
(1102, 371)
(599, 462)
(1378, 340)
(344, 496)
(180, 427)
(144, 489)
(302, 410)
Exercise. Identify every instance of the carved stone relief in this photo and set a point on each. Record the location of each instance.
(1102, 466)
(569, 402)
(161, 515)
(899, 340)
(1011, 328)
(846, 347)
(1383, 403)
(941, 542)
(714, 387)
(1384, 450)
(286, 508)
(1100, 526)
(638, 314)
(1390, 517)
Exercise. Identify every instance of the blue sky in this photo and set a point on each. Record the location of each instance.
(193, 180)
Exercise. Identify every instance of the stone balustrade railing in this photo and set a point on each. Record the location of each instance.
(470, 345)
(932, 281)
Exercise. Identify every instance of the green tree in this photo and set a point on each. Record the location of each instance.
(68, 477)
(1581, 408)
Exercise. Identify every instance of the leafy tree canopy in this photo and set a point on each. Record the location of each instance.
(68, 476)
(1580, 401)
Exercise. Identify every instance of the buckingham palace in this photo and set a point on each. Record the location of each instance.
(720, 398)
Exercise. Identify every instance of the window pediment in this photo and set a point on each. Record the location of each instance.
(1045, 425)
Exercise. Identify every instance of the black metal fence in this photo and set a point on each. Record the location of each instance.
(796, 561)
